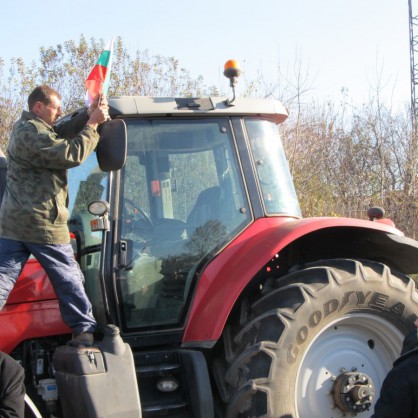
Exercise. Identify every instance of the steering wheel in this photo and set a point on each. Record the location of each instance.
(136, 218)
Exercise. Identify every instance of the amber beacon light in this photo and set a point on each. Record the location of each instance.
(232, 71)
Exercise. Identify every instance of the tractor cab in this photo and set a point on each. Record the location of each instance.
(195, 174)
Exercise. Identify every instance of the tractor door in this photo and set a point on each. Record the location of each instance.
(181, 199)
(87, 183)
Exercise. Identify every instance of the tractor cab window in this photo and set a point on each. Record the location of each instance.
(87, 183)
(182, 198)
(279, 195)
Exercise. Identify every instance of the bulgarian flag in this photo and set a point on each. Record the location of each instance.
(98, 80)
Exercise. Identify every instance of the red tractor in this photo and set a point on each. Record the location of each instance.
(188, 230)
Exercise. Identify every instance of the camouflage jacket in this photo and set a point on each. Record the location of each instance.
(34, 207)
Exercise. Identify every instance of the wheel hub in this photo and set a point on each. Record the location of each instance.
(353, 391)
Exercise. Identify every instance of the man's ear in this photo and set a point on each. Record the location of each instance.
(36, 109)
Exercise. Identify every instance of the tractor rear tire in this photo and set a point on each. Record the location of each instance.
(327, 322)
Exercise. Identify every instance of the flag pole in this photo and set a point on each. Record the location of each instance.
(109, 69)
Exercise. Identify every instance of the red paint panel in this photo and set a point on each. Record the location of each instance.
(32, 309)
(227, 275)
(33, 284)
(29, 320)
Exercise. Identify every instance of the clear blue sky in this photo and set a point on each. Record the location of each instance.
(341, 43)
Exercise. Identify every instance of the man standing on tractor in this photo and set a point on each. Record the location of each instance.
(34, 214)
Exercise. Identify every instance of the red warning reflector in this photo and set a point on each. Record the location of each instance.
(155, 188)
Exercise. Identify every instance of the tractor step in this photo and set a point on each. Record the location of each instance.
(174, 384)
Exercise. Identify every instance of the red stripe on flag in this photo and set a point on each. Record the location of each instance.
(95, 81)
(97, 73)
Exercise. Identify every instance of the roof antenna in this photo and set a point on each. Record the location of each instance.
(232, 71)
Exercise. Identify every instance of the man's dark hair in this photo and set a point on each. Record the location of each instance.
(42, 94)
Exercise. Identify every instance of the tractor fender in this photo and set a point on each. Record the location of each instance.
(297, 241)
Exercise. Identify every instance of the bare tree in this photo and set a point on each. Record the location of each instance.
(65, 67)
(343, 158)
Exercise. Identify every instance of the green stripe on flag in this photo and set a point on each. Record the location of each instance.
(104, 58)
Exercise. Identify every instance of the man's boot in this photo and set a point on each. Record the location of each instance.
(85, 339)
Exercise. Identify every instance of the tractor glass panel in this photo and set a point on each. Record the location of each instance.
(182, 198)
(87, 183)
(272, 169)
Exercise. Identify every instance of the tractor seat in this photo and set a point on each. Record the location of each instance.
(207, 207)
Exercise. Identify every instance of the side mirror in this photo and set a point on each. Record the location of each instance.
(112, 146)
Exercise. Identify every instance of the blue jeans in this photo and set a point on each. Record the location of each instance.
(63, 271)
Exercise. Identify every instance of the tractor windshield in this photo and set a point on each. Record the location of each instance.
(182, 198)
